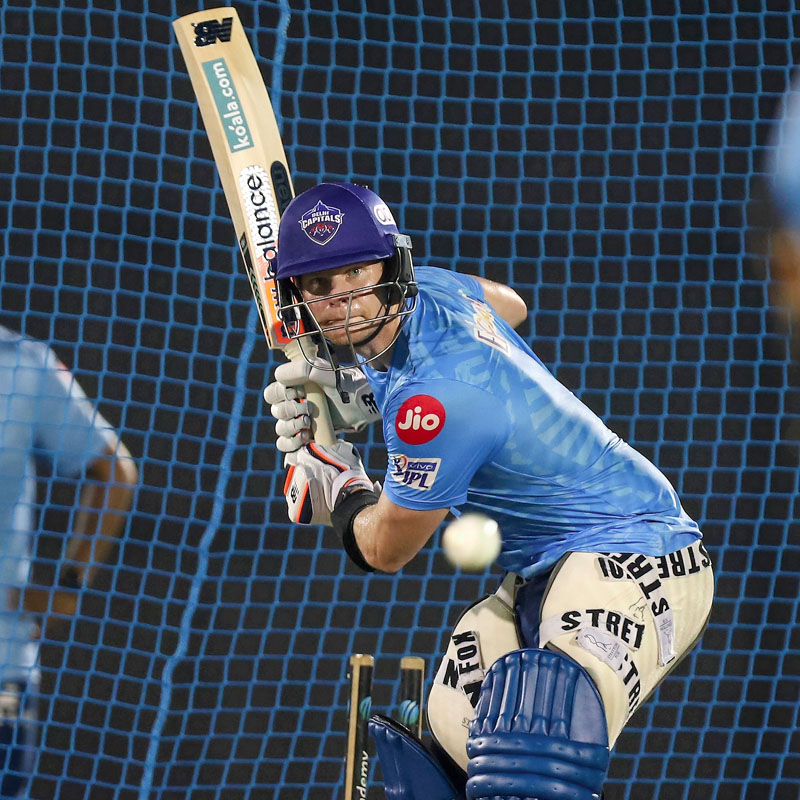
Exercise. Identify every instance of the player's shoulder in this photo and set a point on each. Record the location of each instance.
(447, 302)
(19, 351)
(444, 283)
(8, 338)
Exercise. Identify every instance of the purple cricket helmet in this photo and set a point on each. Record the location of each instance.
(335, 225)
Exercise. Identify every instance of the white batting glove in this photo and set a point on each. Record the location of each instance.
(286, 397)
(317, 478)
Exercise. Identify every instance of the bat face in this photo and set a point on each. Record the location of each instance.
(246, 144)
(248, 151)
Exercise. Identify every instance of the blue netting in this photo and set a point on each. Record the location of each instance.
(599, 158)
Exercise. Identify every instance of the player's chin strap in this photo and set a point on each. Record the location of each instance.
(410, 771)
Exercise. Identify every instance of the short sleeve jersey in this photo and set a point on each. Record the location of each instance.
(472, 419)
(44, 414)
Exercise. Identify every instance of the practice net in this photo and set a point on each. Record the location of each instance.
(599, 161)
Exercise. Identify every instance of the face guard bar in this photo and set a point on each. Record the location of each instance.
(311, 330)
(399, 293)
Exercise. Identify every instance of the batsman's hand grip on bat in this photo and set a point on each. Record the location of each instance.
(318, 477)
(292, 404)
(317, 406)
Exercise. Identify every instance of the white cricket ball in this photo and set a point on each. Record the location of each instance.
(472, 541)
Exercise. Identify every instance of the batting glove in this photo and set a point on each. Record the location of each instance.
(286, 397)
(318, 478)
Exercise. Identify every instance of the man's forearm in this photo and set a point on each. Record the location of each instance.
(389, 536)
(103, 506)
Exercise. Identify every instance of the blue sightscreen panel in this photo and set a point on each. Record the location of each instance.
(599, 161)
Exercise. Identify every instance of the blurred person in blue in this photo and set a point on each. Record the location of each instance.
(775, 211)
(46, 417)
(607, 584)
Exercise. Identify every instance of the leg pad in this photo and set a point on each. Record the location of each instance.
(539, 731)
(410, 772)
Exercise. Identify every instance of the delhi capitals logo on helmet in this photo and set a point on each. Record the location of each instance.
(321, 223)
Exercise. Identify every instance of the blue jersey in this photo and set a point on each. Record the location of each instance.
(472, 419)
(783, 157)
(43, 414)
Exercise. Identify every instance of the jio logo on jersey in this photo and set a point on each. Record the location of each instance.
(419, 419)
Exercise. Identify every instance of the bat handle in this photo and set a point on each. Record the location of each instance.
(321, 425)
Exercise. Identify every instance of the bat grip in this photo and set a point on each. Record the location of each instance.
(321, 425)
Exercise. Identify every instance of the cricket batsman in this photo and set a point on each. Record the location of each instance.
(607, 585)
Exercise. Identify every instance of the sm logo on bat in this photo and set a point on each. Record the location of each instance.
(208, 32)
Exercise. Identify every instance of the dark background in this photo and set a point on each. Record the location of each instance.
(600, 161)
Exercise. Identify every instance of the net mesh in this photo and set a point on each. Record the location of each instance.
(599, 161)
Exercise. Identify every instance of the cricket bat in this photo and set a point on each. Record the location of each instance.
(252, 166)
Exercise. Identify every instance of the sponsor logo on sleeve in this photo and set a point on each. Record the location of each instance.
(419, 419)
(416, 473)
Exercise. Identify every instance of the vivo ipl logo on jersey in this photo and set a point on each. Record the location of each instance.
(419, 419)
(416, 473)
(321, 223)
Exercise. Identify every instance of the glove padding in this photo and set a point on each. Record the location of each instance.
(286, 396)
(317, 478)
